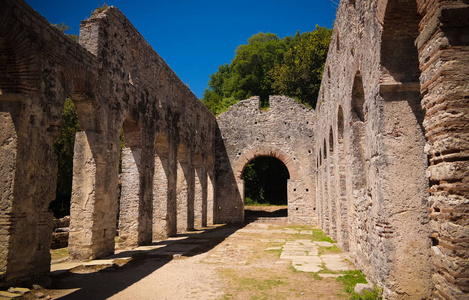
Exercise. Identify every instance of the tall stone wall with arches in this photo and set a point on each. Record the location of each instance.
(390, 144)
(283, 131)
(118, 84)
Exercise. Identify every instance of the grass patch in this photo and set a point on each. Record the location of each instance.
(328, 250)
(320, 236)
(58, 254)
(252, 283)
(300, 227)
(350, 278)
(275, 251)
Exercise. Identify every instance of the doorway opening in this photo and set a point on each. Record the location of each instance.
(64, 149)
(265, 188)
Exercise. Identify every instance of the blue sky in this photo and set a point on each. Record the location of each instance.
(196, 36)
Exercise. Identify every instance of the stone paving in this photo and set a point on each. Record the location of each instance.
(179, 263)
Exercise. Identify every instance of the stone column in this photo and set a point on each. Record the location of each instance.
(94, 197)
(211, 205)
(161, 226)
(342, 211)
(8, 152)
(332, 195)
(443, 55)
(172, 173)
(185, 197)
(129, 216)
(200, 206)
(27, 185)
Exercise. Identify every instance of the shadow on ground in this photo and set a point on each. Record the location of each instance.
(255, 213)
(102, 284)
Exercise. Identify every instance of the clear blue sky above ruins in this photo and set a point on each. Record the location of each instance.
(196, 36)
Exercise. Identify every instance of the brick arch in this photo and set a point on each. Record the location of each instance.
(251, 154)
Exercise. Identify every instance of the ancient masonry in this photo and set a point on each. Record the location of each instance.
(382, 164)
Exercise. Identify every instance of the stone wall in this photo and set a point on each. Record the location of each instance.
(381, 165)
(117, 82)
(394, 90)
(60, 233)
(284, 131)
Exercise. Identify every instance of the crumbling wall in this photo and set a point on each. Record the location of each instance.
(117, 82)
(443, 45)
(284, 131)
(391, 93)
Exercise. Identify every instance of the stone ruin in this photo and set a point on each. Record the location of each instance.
(381, 165)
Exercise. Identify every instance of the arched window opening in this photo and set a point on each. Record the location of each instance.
(340, 124)
(399, 57)
(265, 179)
(324, 149)
(358, 99)
(331, 141)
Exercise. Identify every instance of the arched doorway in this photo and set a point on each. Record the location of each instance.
(265, 188)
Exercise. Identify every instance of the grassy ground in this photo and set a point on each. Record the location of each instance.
(257, 280)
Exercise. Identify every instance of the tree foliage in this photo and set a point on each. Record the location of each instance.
(63, 148)
(301, 72)
(268, 65)
(64, 28)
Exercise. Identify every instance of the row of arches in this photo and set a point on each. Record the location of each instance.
(167, 152)
(370, 147)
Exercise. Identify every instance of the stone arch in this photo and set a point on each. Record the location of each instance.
(296, 188)
(287, 160)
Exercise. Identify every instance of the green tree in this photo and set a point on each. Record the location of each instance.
(63, 148)
(267, 65)
(300, 74)
(64, 28)
(252, 64)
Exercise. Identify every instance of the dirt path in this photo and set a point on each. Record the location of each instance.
(257, 261)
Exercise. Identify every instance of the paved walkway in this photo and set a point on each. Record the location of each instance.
(221, 262)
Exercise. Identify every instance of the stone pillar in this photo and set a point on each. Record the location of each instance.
(185, 197)
(443, 50)
(8, 152)
(318, 198)
(27, 186)
(172, 173)
(211, 205)
(129, 216)
(325, 199)
(342, 205)
(80, 241)
(161, 227)
(94, 197)
(332, 196)
(200, 206)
